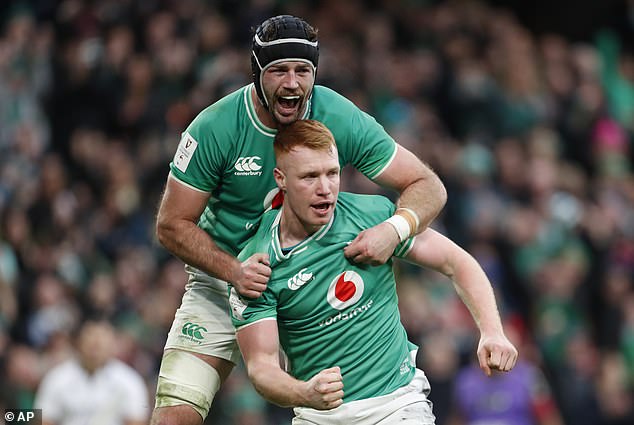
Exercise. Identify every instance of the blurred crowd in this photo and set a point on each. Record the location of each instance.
(532, 133)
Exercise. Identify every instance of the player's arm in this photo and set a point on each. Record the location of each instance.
(177, 230)
(422, 197)
(432, 249)
(259, 345)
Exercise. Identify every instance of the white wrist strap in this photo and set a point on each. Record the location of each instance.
(401, 226)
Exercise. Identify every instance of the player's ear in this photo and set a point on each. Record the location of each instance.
(280, 179)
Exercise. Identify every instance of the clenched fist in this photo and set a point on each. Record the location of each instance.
(324, 391)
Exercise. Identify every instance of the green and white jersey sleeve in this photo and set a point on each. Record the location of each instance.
(227, 152)
(330, 311)
(361, 140)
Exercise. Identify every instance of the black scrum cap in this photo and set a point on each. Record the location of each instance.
(287, 38)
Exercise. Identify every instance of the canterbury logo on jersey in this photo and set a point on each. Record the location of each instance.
(248, 166)
(300, 279)
(193, 330)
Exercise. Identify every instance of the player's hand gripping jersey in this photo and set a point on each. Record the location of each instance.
(330, 311)
(228, 152)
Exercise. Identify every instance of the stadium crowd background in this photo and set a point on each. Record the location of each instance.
(530, 127)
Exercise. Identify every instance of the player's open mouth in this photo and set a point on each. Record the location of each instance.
(288, 104)
(322, 208)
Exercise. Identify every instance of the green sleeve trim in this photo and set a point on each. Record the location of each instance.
(404, 248)
(377, 173)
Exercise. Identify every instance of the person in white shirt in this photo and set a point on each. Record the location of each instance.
(93, 388)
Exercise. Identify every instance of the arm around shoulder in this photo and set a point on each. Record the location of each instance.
(420, 189)
(422, 197)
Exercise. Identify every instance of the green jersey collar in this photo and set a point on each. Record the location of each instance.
(300, 247)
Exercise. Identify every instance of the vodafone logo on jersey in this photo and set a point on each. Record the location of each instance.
(345, 290)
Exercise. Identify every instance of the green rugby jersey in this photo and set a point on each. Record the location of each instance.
(331, 311)
(226, 151)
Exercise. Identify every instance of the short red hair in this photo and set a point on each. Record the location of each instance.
(309, 133)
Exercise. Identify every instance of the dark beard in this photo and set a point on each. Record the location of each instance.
(301, 109)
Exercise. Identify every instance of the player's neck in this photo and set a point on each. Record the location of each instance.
(292, 231)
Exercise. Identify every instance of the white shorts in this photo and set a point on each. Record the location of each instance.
(202, 323)
(408, 405)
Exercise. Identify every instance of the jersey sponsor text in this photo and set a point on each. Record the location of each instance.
(351, 314)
